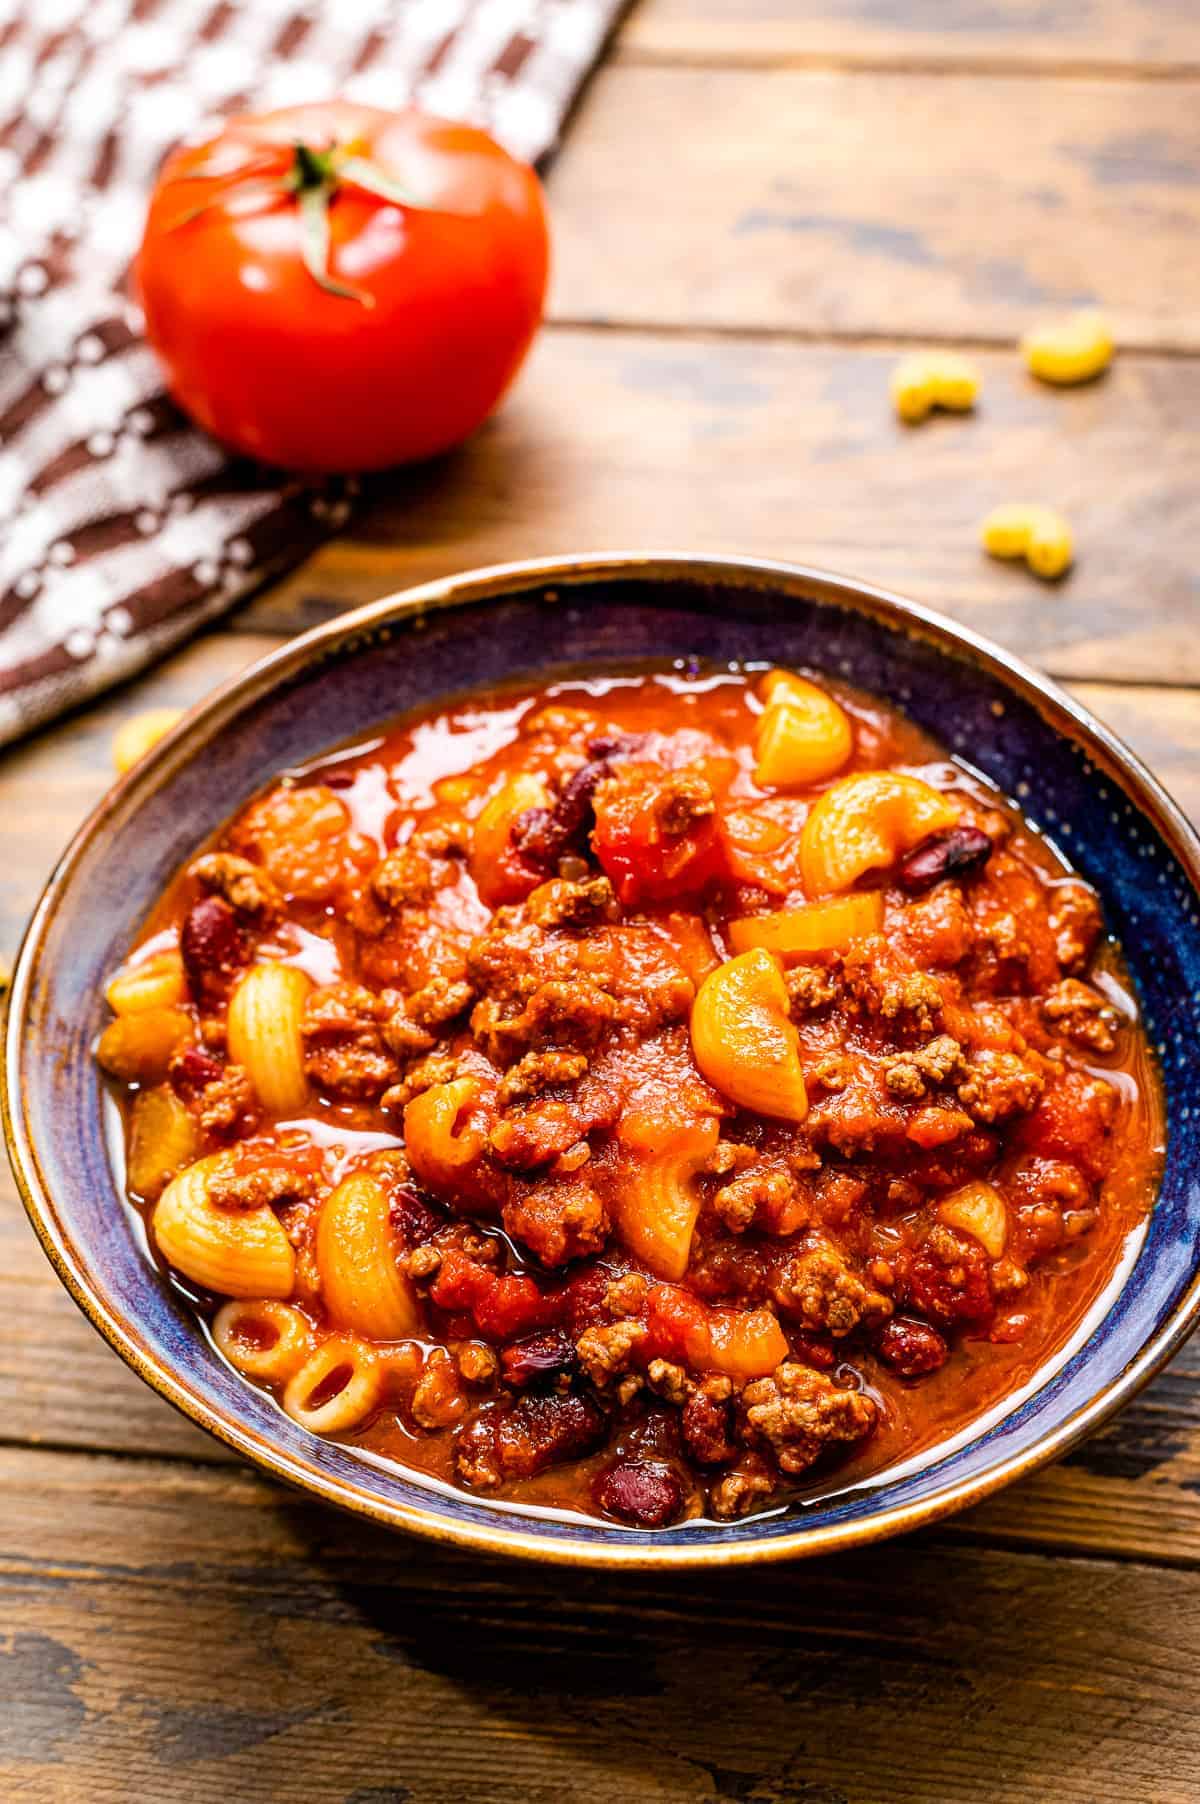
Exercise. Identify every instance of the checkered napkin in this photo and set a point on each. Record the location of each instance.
(122, 528)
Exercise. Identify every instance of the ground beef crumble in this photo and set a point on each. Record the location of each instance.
(754, 1196)
(810, 988)
(999, 1084)
(817, 1287)
(559, 1220)
(798, 1412)
(247, 888)
(750, 1483)
(228, 1105)
(913, 1074)
(1076, 923)
(345, 1048)
(1081, 1015)
(261, 1187)
(607, 1352)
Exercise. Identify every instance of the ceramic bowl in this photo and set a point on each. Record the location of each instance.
(1072, 777)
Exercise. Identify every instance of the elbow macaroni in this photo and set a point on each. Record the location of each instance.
(930, 379)
(741, 1343)
(657, 1211)
(163, 1138)
(440, 1149)
(980, 1211)
(803, 736)
(157, 982)
(135, 736)
(865, 823)
(1038, 534)
(235, 1252)
(263, 1030)
(139, 1048)
(796, 933)
(1069, 350)
(362, 1285)
(493, 826)
(743, 1038)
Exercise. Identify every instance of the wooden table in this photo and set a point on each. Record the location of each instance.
(760, 201)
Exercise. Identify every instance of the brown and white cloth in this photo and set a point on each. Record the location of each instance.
(123, 528)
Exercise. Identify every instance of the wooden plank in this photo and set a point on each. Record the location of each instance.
(194, 1633)
(904, 203)
(1136, 1489)
(1155, 36)
(792, 451)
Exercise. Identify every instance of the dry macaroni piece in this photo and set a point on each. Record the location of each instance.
(1073, 349)
(1025, 529)
(712, 1096)
(929, 379)
(137, 735)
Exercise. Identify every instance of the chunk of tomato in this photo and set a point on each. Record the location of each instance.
(1073, 1121)
(501, 1304)
(658, 835)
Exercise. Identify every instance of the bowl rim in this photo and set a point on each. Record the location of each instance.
(493, 582)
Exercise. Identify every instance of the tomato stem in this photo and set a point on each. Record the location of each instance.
(312, 168)
(313, 178)
(314, 244)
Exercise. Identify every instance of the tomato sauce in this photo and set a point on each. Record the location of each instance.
(575, 1193)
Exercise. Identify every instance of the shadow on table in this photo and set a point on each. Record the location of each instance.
(922, 1669)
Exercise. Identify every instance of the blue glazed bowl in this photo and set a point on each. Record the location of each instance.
(1072, 777)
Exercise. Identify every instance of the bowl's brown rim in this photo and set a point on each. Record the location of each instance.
(1121, 765)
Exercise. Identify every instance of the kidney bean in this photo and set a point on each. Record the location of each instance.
(412, 1217)
(537, 1356)
(193, 1070)
(644, 1493)
(542, 835)
(813, 1350)
(651, 1434)
(957, 852)
(212, 945)
(546, 1427)
(707, 1428)
(911, 1348)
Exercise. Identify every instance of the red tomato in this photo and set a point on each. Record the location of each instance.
(644, 854)
(334, 287)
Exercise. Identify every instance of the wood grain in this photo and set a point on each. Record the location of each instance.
(792, 451)
(1049, 36)
(857, 204)
(194, 1634)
